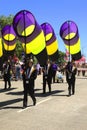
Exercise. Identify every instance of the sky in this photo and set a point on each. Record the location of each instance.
(55, 12)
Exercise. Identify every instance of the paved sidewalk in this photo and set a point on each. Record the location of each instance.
(52, 112)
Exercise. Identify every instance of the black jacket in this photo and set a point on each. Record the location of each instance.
(32, 77)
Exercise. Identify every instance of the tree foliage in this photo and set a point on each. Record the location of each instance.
(4, 20)
(60, 59)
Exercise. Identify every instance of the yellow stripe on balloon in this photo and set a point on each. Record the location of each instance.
(37, 44)
(1, 52)
(27, 49)
(9, 48)
(28, 30)
(9, 37)
(52, 48)
(74, 48)
(48, 36)
(70, 36)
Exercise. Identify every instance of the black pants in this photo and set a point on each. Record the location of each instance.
(46, 80)
(28, 89)
(9, 83)
(71, 87)
(53, 75)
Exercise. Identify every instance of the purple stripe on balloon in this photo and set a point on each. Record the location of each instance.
(53, 39)
(72, 41)
(10, 43)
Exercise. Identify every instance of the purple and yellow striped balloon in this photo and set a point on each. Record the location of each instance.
(51, 41)
(1, 50)
(9, 37)
(30, 34)
(69, 34)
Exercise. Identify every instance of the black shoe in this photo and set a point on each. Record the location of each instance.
(34, 102)
(24, 105)
(9, 86)
(69, 95)
(49, 91)
(72, 93)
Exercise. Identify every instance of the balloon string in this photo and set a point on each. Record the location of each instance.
(25, 38)
(24, 31)
(69, 37)
(8, 41)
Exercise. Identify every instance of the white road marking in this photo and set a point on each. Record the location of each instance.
(43, 101)
(38, 103)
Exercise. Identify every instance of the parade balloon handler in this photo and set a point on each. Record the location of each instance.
(29, 76)
(71, 73)
(47, 76)
(7, 74)
(70, 35)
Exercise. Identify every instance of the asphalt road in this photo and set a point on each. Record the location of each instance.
(55, 111)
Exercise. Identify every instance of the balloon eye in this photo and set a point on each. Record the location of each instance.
(70, 36)
(48, 36)
(28, 30)
(9, 37)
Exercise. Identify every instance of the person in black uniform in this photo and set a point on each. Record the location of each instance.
(7, 75)
(71, 71)
(47, 76)
(29, 75)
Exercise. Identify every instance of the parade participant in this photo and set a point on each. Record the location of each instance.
(29, 75)
(72, 70)
(7, 75)
(47, 76)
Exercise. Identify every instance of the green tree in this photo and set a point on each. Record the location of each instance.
(5, 20)
(19, 49)
(60, 59)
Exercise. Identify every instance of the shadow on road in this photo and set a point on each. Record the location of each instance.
(9, 102)
(19, 93)
(37, 89)
(6, 90)
(15, 93)
(48, 94)
(61, 95)
(11, 107)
